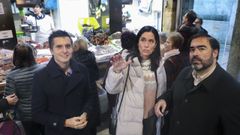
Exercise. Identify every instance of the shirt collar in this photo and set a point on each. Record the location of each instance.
(69, 72)
(199, 78)
(55, 70)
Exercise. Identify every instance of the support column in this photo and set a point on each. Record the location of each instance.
(115, 13)
(234, 56)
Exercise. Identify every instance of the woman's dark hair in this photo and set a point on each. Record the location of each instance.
(23, 56)
(128, 40)
(155, 56)
(40, 5)
(58, 33)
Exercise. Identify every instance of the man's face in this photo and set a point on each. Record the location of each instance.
(197, 23)
(37, 10)
(202, 55)
(62, 50)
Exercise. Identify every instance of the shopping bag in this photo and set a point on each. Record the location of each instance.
(9, 127)
(149, 125)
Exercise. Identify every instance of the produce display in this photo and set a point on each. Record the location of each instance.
(103, 46)
(100, 39)
(43, 56)
(103, 53)
(5, 63)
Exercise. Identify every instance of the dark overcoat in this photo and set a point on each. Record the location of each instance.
(173, 66)
(210, 108)
(88, 59)
(57, 97)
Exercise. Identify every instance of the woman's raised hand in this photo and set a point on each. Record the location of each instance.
(119, 63)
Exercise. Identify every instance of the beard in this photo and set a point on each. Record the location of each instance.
(199, 64)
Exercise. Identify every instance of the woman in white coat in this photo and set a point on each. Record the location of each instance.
(143, 83)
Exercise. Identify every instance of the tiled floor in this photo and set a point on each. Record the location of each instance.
(103, 132)
(103, 128)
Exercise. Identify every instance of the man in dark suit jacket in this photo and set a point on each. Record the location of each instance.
(63, 99)
(187, 29)
(198, 23)
(204, 99)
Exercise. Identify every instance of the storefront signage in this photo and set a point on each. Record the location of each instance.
(5, 34)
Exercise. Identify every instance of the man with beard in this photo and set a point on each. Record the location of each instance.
(204, 99)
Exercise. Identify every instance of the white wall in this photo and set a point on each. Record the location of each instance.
(67, 14)
(141, 19)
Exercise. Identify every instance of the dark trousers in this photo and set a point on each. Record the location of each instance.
(33, 128)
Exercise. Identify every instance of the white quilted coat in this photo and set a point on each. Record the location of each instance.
(131, 112)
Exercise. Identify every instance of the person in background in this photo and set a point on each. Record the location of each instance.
(82, 55)
(204, 98)
(187, 29)
(198, 23)
(19, 81)
(141, 83)
(173, 62)
(43, 23)
(128, 41)
(63, 99)
(163, 38)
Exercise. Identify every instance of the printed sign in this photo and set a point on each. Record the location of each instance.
(5, 34)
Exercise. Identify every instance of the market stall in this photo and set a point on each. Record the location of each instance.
(103, 54)
(5, 65)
